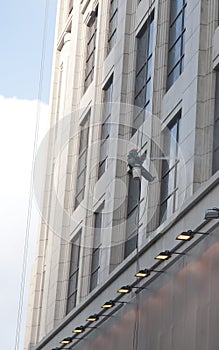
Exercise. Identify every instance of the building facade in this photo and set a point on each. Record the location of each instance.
(130, 76)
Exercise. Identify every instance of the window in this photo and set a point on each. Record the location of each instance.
(143, 72)
(58, 98)
(113, 17)
(97, 242)
(176, 51)
(82, 161)
(216, 128)
(132, 215)
(70, 6)
(91, 48)
(169, 182)
(73, 274)
(105, 132)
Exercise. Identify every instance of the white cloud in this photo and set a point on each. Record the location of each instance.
(17, 131)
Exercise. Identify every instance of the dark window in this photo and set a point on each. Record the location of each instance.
(73, 274)
(97, 242)
(176, 51)
(91, 48)
(106, 124)
(143, 72)
(113, 17)
(82, 161)
(216, 128)
(132, 215)
(70, 6)
(169, 182)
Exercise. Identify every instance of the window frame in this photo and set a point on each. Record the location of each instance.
(73, 274)
(97, 243)
(113, 18)
(215, 165)
(180, 39)
(105, 127)
(144, 69)
(91, 51)
(131, 237)
(82, 163)
(170, 170)
(58, 98)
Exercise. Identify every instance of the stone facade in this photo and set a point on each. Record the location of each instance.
(82, 50)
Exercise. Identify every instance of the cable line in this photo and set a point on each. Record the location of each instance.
(30, 200)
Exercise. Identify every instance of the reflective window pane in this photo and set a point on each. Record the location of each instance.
(141, 99)
(113, 19)
(95, 259)
(130, 245)
(151, 36)
(216, 134)
(71, 303)
(82, 161)
(97, 241)
(132, 215)
(79, 197)
(142, 45)
(105, 130)
(170, 180)
(174, 55)
(149, 68)
(72, 283)
(216, 161)
(140, 80)
(133, 194)
(106, 126)
(216, 127)
(132, 223)
(176, 40)
(104, 149)
(148, 91)
(73, 273)
(143, 69)
(173, 75)
(102, 167)
(138, 119)
(90, 60)
(176, 8)
(94, 280)
(175, 30)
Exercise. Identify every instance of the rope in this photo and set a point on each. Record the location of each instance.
(30, 200)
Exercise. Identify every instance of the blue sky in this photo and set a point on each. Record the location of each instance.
(21, 38)
(21, 35)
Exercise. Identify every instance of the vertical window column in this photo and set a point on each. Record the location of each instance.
(143, 72)
(132, 215)
(96, 253)
(106, 126)
(82, 161)
(58, 98)
(169, 181)
(176, 51)
(216, 128)
(113, 18)
(73, 274)
(91, 48)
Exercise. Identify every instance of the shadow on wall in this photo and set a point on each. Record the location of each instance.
(179, 310)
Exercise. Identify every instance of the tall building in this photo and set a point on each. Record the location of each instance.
(133, 162)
